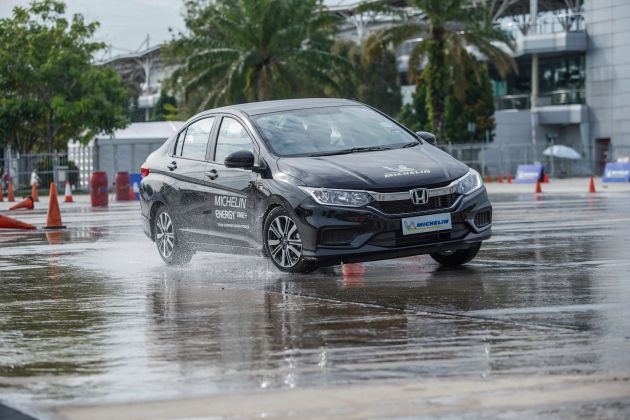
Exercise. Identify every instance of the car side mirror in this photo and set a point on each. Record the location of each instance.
(243, 159)
(426, 136)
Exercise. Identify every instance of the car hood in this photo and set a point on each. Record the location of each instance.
(422, 165)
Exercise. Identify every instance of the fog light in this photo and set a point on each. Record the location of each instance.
(337, 236)
(483, 218)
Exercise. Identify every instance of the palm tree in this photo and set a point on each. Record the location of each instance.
(447, 28)
(253, 50)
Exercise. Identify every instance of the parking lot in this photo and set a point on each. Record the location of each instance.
(94, 325)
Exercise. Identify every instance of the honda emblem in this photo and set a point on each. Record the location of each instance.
(419, 196)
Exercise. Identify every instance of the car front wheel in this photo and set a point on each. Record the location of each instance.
(456, 257)
(283, 243)
(172, 250)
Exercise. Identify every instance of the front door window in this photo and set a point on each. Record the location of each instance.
(232, 138)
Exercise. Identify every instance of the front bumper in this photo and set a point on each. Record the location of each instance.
(332, 235)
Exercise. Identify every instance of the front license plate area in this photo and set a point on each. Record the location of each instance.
(426, 224)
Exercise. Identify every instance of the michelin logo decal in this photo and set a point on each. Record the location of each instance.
(424, 224)
(227, 214)
(402, 170)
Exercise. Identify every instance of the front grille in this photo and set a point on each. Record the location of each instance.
(407, 206)
(483, 218)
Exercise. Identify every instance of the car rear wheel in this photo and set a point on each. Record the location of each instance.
(172, 250)
(456, 257)
(283, 243)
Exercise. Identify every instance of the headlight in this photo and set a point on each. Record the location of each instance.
(330, 197)
(469, 183)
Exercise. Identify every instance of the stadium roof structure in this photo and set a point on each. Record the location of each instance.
(139, 55)
(500, 8)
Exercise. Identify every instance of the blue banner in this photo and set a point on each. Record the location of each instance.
(529, 174)
(617, 172)
(135, 178)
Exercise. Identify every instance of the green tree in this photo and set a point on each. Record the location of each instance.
(373, 83)
(164, 108)
(475, 105)
(253, 50)
(50, 91)
(447, 28)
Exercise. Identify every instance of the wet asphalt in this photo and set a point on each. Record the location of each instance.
(91, 315)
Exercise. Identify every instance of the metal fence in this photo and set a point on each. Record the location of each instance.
(48, 167)
(501, 159)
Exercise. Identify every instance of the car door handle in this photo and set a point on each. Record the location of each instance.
(172, 166)
(212, 174)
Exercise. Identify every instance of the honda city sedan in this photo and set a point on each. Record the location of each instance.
(310, 183)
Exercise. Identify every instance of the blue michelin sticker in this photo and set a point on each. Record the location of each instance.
(425, 224)
(529, 174)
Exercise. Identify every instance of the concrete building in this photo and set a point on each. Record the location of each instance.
(572, 86)
(577, 60)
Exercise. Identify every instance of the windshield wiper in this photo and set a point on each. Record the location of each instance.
(412, 144)
(352, 150)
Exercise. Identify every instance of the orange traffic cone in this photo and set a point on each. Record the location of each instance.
(591, 185)
(27, 203)
(53, 219)
(488, 179)
(11, 223)
(34, 193)
(132, 194)
(1, 194)
(68, 194)
(509, 178)
(500, 179)
(546, 179)
(538, 188)
(11, 196)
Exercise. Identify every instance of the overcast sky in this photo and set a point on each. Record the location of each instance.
(126, 23)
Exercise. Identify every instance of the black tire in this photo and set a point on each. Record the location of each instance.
(458, 257)
(175, 251)
(283, 243)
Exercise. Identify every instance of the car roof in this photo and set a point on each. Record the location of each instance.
(264, 107)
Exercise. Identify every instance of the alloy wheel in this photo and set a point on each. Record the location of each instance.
(284, 242)
(165, 235)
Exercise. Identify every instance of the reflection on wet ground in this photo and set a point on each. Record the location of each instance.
(92, 314)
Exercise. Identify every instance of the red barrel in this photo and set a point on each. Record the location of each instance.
(122, 186)
(98, 189)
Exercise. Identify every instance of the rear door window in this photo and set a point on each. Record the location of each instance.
(195, 142)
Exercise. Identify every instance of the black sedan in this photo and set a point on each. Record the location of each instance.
(310, 183)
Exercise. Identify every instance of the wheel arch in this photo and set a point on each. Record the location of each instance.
(152, 213)
(273, 202)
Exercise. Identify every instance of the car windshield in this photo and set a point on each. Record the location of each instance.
(331, 130)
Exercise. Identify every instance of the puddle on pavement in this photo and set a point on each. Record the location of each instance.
(91, 313)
